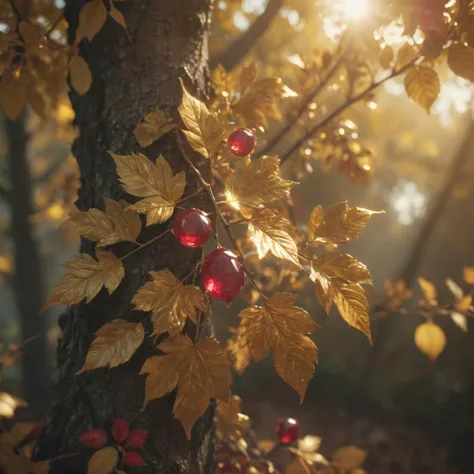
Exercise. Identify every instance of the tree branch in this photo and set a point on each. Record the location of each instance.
(231, 56)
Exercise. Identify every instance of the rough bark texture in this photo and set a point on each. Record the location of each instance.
(130, 79)
(27, 279)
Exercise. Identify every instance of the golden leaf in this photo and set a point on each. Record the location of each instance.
(169, 301)
(406, 54)
(154, 125)
(117, 15)
(429, 292)
(461, 60)
(203, 131)
(270, 232)
(155, 182)
(386, 57)
(115, 225)
(430, 339)
(248, 75)
(422, 86)
(454, 288)
(114, 344)
(468, 275)
(162, 377)
(80, 75)
(344, 266)
(281, 325)
(86, 277)
(9, 403)
(349, 297)
(316, 218)
(30, 33)
(92, 18)
(460, 320)
(12, 97)
(349, 458)
(230, 422)
(258, 185)
(340, 224)
(202, 371)
(463, 304)
(297, 466)
(103, 461)
(239, 352)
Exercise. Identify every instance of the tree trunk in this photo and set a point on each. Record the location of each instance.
(131, 77)
(27, 279)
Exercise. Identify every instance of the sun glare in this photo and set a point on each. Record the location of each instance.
(352, 9)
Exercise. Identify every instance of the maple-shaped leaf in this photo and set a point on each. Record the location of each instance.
(272, 233)
(258, 185)
(92, 18)
(349, 296)
(201, 371)
(281, 325)
(162, 377)
(154, 125)
(204, 131)
(114, 344)
(339, 224)
(86, 277)
(103, 461)
(227, 416)
(169, 301)
(154, 182)
(115, 225)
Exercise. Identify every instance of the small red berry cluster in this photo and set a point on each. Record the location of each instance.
(222, 273)
(126, 441)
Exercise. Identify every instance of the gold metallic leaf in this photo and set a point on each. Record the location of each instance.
(86, 277)
(203, 372)
(340, 224)
(92, 18)
(154, 125)
(406, 54)
(297, 466)
(258, 185)
(349, 458)
(422, 86)
(227, 417)
(248, 75)
(115, 225)
(272, 233)
(114, 344)
(169, 301)
(80, 75)
(430, 339)
(461, 60)
(203, 131)
(162, 377)
(429, 292)
(281, 325)
(316, 218)
(344, 266)
(155, 182)
(468, 275)
(117, 15)
(103, 461)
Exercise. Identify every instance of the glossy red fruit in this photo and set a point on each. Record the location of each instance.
(136, 439)
(192, 228)
(288, 430)
(120, 430)
(133, 459)
(242, 142)
(223, 275)
(93, 438)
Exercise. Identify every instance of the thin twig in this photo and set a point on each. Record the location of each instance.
(146, 244)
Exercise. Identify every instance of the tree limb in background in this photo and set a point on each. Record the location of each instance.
(231, 56)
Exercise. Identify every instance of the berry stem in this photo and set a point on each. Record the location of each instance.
(146, 244)
(219, 214)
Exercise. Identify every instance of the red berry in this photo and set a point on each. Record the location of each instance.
(120, 430)
(136, 438)
(93, 438)
(223, 275)
(192, 228)
(133, 459)
(242, 142)
(288, 430)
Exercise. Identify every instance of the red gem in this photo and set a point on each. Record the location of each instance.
(288, 430)
(242, 142)
(223, 275)
(136, 439)
(93, 438)
(192, 228)
(120, 430)
(133, 459)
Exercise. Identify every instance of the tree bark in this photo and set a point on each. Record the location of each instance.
(132, 76)
(27, 278)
